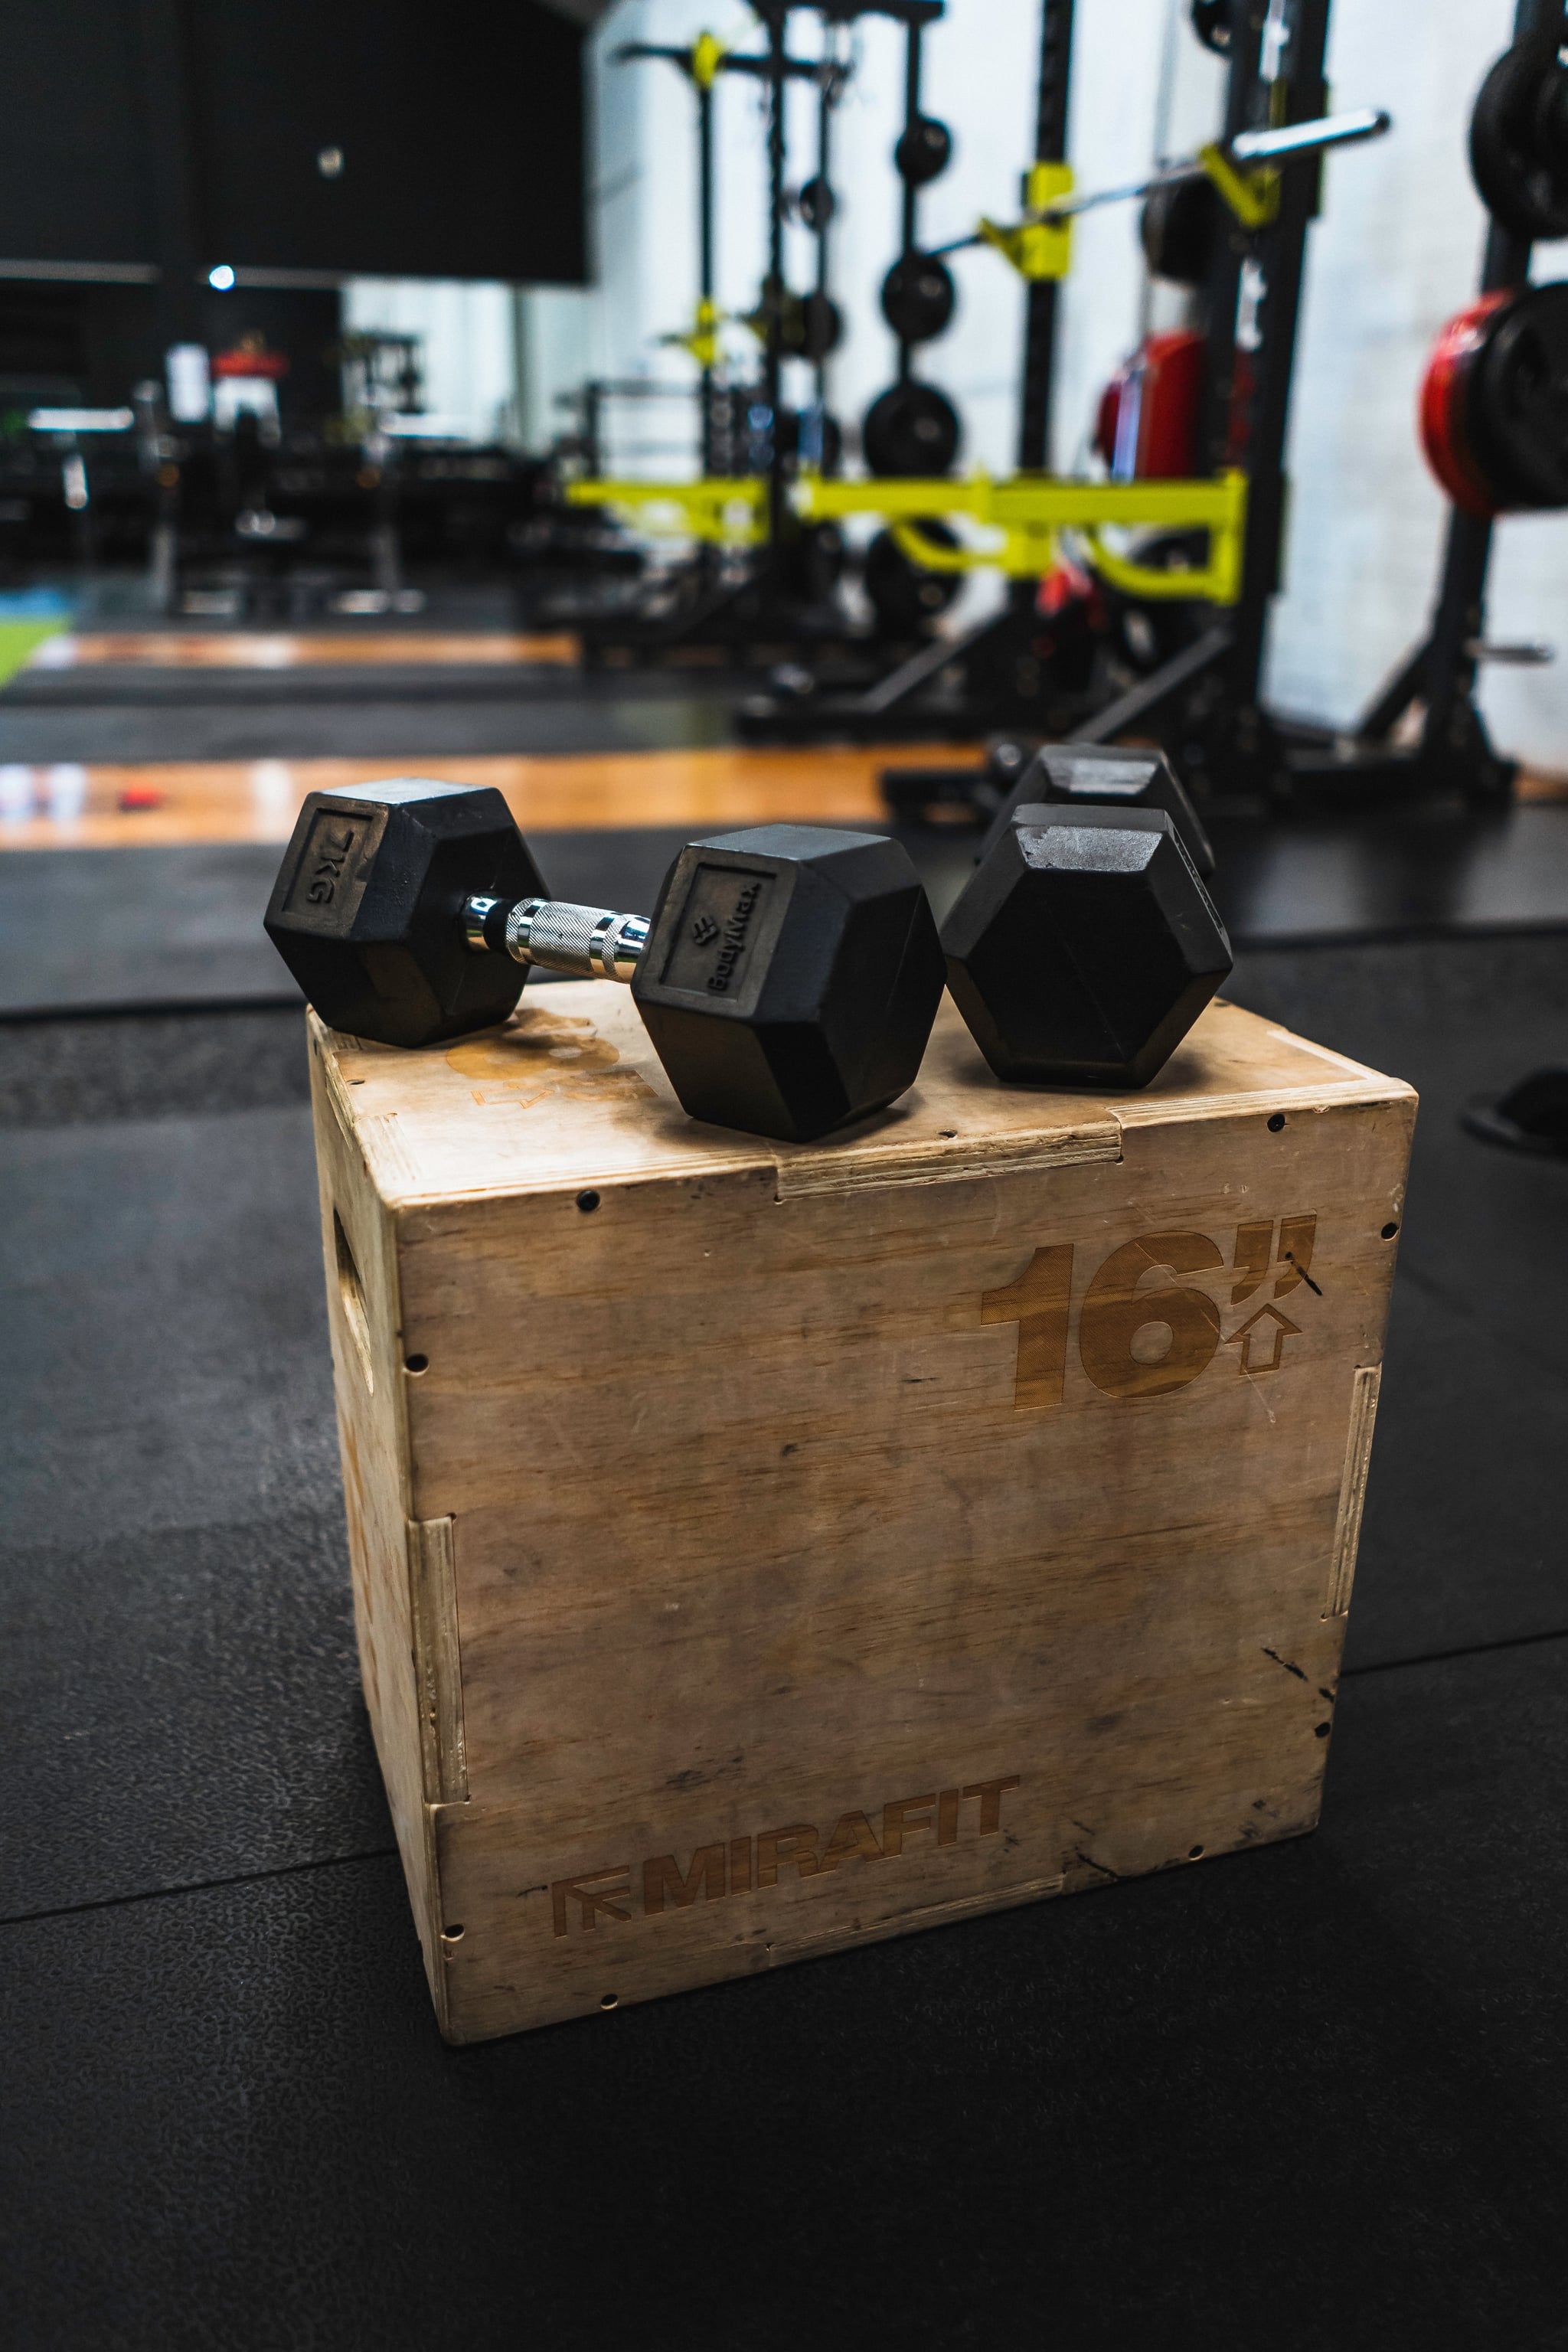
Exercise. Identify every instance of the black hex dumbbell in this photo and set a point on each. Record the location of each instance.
(1101, 775)
(1085, 945)
(788, 976)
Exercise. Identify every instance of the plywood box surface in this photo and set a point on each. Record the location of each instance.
(760, 1548)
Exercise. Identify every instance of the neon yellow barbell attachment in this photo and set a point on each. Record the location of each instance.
(1253, 197)
(707, 53)
(1040, 244)
(702, 338)
(1246, 173)
(1030, 511)
(727, 511)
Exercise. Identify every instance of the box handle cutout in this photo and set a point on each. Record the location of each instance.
(351, 1295)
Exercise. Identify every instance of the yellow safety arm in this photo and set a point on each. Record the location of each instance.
(727, 511)
(1031, 510)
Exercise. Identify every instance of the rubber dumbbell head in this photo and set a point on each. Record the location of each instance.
(1084, 947)
(788, 978)
(1083, 775)
(365, 909)
(791, 976)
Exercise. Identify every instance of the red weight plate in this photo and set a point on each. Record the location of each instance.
(1107, 416)
(1443, 435)
(1172, 376)
(1146, 429)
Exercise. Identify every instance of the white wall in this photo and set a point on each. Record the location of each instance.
(467, 334)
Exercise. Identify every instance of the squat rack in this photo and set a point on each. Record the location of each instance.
(1207, 698)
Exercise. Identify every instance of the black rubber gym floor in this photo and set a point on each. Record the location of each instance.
(1315, 2097)
(306, 714)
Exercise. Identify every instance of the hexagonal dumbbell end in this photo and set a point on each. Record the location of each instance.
(367, 909)
(791, 978)
(1084, 947)
(1110, 775)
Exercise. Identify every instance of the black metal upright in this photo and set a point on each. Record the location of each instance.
(909, 224)
(830, 88)
(1041, 299)
(775, 16)
(1452, 734)
(706, 199)
(1291, 84)
(1450, 727)
(1222, 282)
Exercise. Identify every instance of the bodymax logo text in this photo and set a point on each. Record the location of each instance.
(734, 939)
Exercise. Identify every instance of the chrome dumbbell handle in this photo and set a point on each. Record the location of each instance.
(589, 942)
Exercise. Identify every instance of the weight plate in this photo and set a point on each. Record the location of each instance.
(821, 326)
(1107, 416)
(918, 297)
(816, 202)
(924, 151)
(911, 428)
(1180, 227)
(1519, 140)
(1516, 400)
(905, 596)
(1444, 437)
(1146, 424)
(1211, 23)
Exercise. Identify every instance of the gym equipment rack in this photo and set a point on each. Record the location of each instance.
(769, 601)
(1204, 703)
(1452, 754)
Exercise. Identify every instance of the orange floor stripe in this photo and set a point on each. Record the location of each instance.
(247, 649)
(67, 806)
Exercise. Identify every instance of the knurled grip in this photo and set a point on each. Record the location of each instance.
(589, 942)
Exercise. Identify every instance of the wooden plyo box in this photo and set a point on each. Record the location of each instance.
(759, 1550)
